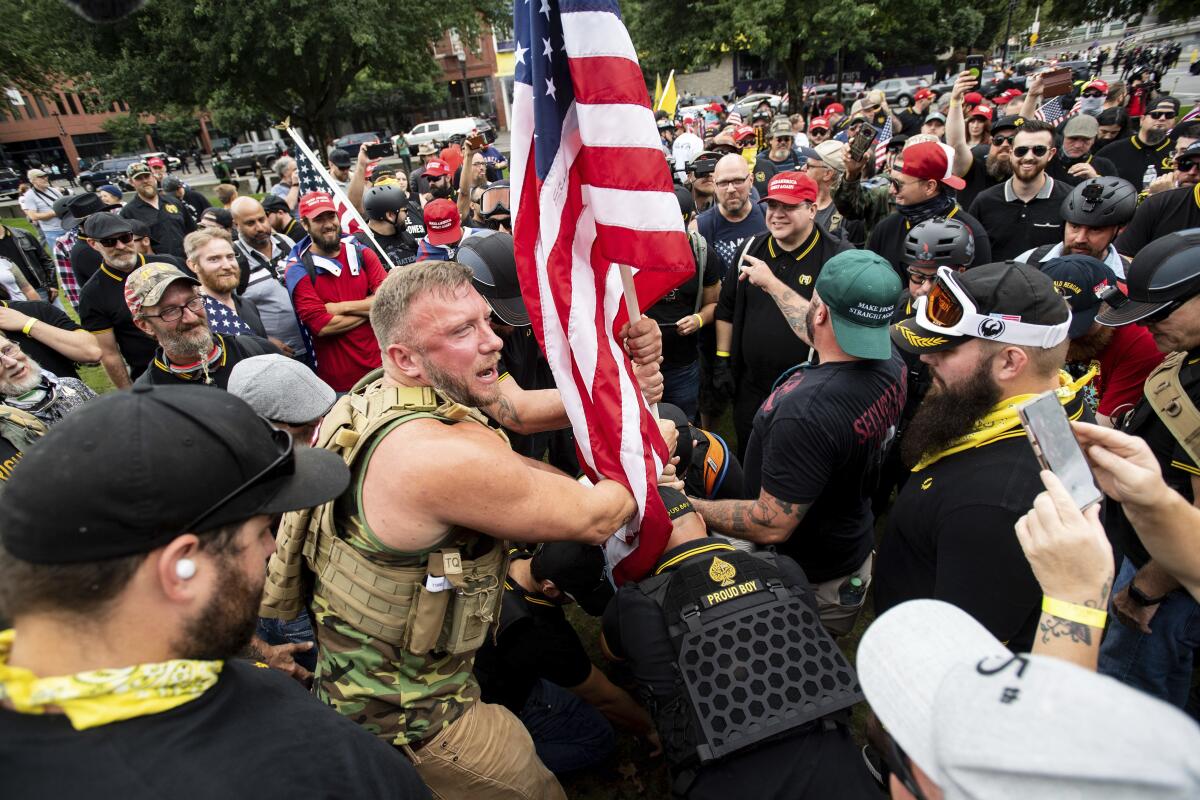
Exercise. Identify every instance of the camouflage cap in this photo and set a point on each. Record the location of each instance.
(137, 168)
(146, 284)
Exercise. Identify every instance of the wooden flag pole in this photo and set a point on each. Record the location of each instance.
(631, 306)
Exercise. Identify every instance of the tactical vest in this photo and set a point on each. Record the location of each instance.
(752, 660)
(1166, 395)
(21, 429)
(398, 602)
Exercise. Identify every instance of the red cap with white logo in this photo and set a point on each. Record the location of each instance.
(792, 188)
(442, 223)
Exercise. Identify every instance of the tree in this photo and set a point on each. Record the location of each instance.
(280, 58)
(128, 132)
(1073, 12)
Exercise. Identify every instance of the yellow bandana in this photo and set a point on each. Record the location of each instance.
(1003, 418)
(98, 697)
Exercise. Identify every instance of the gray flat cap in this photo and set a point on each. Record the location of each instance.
(281, 389)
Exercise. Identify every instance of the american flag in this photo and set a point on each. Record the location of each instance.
(591, 190)
(1188, 117)
(885, 136)
(1052, 112)
(734, 118)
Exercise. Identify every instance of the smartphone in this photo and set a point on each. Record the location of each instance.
(1056, 448)
(974, 65)
(476, 141)
(380, 150)
(1057, 82)
(862, 142)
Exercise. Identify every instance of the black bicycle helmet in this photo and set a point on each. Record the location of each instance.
(490, 256)
(379, 200)
(1164, 275)
(939, 241)
(1100, 202)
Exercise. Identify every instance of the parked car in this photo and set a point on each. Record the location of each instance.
(172, 162)
(442, 130)
(351, 141)
(109, 170)
(851, 90)
(746, 105)
(899, 91)
(10, 179)
(241, 156)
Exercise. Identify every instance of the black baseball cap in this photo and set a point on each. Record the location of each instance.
(1005, 289)
(577, 569)
(1083, 280)
(147, 465)
(340, 157)
(105, 226)
(274, 202)
(1009, 121)
(1164, 272)
(490, 256)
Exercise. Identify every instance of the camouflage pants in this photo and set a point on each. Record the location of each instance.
(485, 753)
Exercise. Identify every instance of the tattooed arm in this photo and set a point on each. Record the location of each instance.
(1073, 563)
(767, 520)
(793, 307)
(527, 411)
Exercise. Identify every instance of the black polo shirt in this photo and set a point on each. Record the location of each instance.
(1013, 225)
(764, 345)
(1178, 468)
(1133, 156)
(1159, 214)
(977, 177)
(888, 235)
(85, 261)
(950, 536)
(765, 169)
(680, 351)
(233, 350)
(294, 230)
(534, 641)
(1057, 168)
(102, 308)
(47, 356)
(169, 223)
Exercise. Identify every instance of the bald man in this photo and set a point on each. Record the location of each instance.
(261, 253)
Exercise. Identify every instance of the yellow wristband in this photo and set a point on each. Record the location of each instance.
(1092, 617)
(28, 326)
(699, 320)
(955, 103)
(722, 354)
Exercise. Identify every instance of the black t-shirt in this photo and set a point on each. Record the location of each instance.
(910, 122)
(256, 733)
(1159, 214)
(1178, 468)
(414, 221)
(102, 308)
(1057, 168)
(10, 456)
(977, 178)
(169, 223)
(950, 536)
(764, 345)
(675, 305)
(401, 248)
(235, 349)
(820, 438)
(45, 355)
(540, 643)
(1014, 226)
(725, 238)
(887, 239)
(195, 202)
(1133, 158)
(85, 261)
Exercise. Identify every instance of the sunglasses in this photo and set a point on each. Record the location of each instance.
(1093, 94)
(283, 465)
(786, 139)
(919, 278)
(1000, 141)
(819, 132)
(1187, 166)
(112, 241)
(949, 310)
(1038, 150)
(1164, 312)
(1162, 115)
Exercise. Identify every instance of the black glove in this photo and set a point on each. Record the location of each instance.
(723, 383)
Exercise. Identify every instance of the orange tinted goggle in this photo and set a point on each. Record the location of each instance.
(942, 307)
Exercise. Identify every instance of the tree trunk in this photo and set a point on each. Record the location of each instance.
(839, 75)
(794, 65)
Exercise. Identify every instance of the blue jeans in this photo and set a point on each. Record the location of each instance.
(1158, 663)
(300, 629)
(681, 387)
(51, 238)
(568, 733)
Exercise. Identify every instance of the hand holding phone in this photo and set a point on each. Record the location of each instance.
(974, 65)
(380, 150)
(1054, 444)
(862, 141)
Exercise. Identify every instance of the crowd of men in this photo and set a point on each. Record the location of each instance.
(370, 415)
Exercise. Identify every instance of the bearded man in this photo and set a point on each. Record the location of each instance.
(994, 337)
(164, 214)
(26, 386)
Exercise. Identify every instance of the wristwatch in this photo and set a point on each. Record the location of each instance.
(1139, 597)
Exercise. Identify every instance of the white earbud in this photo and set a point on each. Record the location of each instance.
(185, 568)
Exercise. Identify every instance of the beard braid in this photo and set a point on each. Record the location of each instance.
(946, 415)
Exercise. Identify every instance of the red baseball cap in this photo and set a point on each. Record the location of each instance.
(1096, 84)
(922, 93)
(436, 168)
(835, 108)
(932, 161)
(818, 122)
(155, 162)
(314, 204)
(792, 188)
(442, 223)
(972, 99)
(982, 111)
(743, 132)
(715, 107)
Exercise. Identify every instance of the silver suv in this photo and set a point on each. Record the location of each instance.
(899, 91)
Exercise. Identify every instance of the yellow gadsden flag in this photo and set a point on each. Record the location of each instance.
(668, 99)
(657, 88)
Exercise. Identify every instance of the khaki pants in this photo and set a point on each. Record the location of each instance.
(485, 753)
(839, 619)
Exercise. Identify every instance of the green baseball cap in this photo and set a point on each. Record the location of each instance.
(861, 290)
